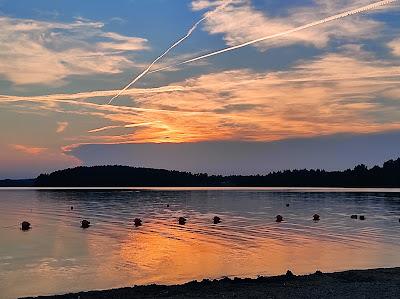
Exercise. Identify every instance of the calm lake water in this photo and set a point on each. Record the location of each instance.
(57, 256)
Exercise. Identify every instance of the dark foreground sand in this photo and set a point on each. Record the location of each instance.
(378, 283)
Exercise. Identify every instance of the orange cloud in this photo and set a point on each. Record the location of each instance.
(61, 126)
(89, 95)
(28, 149)
(334, 93)
(22, 161)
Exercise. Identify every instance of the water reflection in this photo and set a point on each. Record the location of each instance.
(57, 256)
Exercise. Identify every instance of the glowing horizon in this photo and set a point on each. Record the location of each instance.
(285, 83)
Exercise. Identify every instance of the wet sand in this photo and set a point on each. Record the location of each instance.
(376, 283)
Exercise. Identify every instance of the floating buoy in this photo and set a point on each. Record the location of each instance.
(137, 222)
(279, 218)
(85, 224)
(353, 216)
(217, 220)
(182, 220)
(316, 217)
(362, 217)
(25, 226)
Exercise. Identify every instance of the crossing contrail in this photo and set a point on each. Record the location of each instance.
(287, 32)
(177, 43)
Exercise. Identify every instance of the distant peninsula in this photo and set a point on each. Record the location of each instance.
(387, 175)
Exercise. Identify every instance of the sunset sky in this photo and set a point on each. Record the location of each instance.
(327, 96)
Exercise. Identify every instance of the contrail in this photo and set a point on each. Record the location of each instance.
(287, 32)
(116, 127)
(177, 43)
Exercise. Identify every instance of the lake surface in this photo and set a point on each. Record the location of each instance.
(57, 256)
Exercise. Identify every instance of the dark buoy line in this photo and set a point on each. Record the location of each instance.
(361, 217)
(137, 222)
(25, 226)
(85, 224)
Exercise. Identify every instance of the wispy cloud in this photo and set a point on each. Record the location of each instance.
(37, 52)
(90, 94)
(28, 149)
(347, 92)
(62, 126)
(120, 42)
(118, 127)
(288, 32)
(331, 85)
(103, 129)
(255, 24)
(24, 161)
(223, 5)
(394, 45)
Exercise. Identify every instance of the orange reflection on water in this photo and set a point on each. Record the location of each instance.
(170, 254)
(57, 256)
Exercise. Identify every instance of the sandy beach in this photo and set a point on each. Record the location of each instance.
(374, 283)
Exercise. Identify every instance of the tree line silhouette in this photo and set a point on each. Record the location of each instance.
(17, 183)
(124, 176)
